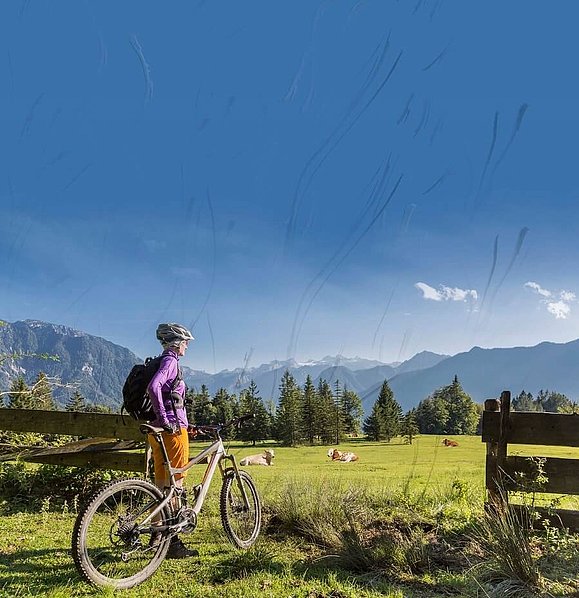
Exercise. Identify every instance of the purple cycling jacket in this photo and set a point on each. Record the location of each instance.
(159, 390)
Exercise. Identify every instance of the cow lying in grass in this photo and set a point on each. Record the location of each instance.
(448, 442)
(266, 458)
(344, 457)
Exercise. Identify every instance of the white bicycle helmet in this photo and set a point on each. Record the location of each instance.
(172, 334)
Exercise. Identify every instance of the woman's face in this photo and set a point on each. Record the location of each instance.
(182, 348)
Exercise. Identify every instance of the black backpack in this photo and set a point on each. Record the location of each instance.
(136, 401)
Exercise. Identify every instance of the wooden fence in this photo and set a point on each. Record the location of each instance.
(109, 441)
(501, 427)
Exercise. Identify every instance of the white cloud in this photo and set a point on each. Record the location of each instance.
(456, 294)
(537, 288)
(446, 293)
(428, 292)
(560, 309)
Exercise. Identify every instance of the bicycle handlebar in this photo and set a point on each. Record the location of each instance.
(214, 430)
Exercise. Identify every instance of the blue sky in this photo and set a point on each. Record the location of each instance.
(292, 179)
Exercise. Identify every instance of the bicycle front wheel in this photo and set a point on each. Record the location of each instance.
(240, 509)
(110, 544)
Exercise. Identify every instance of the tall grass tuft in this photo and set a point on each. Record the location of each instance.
(341, 519)
(505, 537)
(317, 511)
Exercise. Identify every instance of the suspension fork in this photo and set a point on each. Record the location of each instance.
(237, 477)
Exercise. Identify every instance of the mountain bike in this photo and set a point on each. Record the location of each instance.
(122, 535)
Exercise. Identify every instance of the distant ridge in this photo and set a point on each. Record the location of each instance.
(484, 373)
(95, 366)
(99, 367)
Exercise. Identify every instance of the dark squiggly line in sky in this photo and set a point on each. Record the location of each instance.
(331, 142)
(212, 342)
(406, 112)
(299, 321)
(490, 152)
(518, 122)
(382, 318)
(522, 234)
(423, 119)
(493, 267)
(73, 181)
(438, 181)
(30, 116)
(437, 59)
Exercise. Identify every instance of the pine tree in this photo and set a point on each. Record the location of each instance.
(409, 428)
(448, 411)
(310, 411)
(226, 408)
(19, 396)
(463, 414)
(42, 393)
(338, 413)
(289, 411)
(76, 402)
(384, 421)
(326, 420)
(351, 412)
(255, 429)
(555, 402)
(524, 402)
(432, 415)
(374, 424)
(391, 411)
(202, 410)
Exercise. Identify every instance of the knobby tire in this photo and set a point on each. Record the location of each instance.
(106, 546)
(240, 522)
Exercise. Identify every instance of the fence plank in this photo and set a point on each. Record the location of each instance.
(107, 425)
(562, 474)
(116, 460)
(554, 429)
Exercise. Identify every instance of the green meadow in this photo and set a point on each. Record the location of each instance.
(401, 521)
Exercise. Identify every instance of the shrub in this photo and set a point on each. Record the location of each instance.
(24, 486)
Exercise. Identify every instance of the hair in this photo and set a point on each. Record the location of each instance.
(171, 344)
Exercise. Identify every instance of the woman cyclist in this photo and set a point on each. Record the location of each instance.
(167, 393)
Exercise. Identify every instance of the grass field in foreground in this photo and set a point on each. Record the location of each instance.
(34, 547)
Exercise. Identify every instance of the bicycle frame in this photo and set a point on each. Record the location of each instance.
(216, 453)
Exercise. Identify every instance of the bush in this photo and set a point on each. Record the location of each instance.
(29, 487)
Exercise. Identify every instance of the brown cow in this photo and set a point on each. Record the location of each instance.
(448, 442)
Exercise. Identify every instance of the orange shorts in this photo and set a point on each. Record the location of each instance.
(177, 446)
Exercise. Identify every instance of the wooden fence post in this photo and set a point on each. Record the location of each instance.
(502, 445)
(491, 469)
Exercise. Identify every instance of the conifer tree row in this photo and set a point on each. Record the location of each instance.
(308, 415)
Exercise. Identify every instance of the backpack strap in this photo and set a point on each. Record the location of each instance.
(174, 385)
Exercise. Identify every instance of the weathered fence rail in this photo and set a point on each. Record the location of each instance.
(110, 441)
(501, 427)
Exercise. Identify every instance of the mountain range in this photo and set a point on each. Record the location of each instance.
(98, 368)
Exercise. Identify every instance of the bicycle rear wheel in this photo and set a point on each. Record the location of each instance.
(110, 546)
(241, 520)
